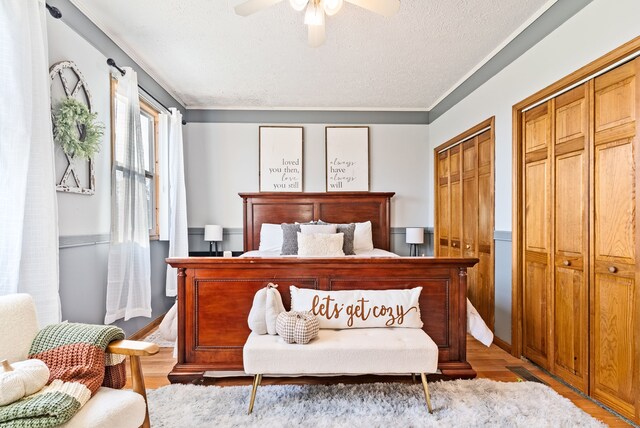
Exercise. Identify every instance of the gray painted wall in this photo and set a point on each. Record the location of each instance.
(503, 285)
(83, 282)
(222, 160)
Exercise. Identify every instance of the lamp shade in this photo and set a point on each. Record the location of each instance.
(212, 232)
(415, 235)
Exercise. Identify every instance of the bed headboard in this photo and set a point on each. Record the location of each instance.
(338, 207)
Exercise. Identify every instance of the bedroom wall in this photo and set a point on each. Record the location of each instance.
(84, 221)
(597, 29)
(221, 160)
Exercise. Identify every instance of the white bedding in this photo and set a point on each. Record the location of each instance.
(475, 324)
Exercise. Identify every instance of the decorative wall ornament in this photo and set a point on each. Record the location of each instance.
(347, 158)
(75, 129)
(74, 172)
(280, 158)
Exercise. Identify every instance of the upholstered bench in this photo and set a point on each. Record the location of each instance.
(343, 352)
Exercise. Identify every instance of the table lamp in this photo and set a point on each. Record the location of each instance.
(213, 234)
(415, 237)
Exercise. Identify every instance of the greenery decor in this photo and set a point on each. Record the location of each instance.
(76, 130)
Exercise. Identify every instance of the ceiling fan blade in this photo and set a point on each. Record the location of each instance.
(252, 6)
(317, 35)
(383, 7)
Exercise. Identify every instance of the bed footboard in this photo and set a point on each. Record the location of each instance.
(215, 296)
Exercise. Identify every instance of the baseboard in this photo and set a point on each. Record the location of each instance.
(502, 344)
(144, 331)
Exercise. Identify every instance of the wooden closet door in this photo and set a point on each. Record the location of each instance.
(465, 210)
(443, 200)
(455, 189)
(571, 233)
(484, 239)
(615, 296)
(536, 258)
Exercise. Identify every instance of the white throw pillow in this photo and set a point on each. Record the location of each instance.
(360, 308)
(308, 229)
(363, 237)
(270, 237)
(320, 245)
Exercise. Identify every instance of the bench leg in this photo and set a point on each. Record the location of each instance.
(256, 382)
(426, 391)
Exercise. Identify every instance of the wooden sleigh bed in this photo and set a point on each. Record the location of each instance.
(215, 294)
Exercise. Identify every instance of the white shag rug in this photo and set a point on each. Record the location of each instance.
(460, 403)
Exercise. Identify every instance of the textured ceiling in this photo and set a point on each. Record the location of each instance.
(208, 57)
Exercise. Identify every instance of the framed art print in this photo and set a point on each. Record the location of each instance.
(347, 158)
(280, 158)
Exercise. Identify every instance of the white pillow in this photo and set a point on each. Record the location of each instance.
(308, 229)
(320, 245)
(363, 237)
(360, 308)
(270, 237)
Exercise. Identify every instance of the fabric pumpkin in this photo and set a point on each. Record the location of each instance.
(297, 327)
(267, 304)
(21, 379)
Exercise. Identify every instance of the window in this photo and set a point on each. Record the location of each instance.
(149, 127)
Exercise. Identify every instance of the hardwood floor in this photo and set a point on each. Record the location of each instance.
(490, 363)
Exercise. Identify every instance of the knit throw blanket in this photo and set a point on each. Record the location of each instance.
(79, 365)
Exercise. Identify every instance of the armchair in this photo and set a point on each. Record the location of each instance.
(108, 407)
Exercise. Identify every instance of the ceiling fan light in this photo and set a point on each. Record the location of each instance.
(314, 14)
(298, 5)
(331, 7)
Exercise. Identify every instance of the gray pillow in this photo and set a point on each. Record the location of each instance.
(290, 239)
(349, 231)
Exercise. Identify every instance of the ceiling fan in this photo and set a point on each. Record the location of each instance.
(317, 9)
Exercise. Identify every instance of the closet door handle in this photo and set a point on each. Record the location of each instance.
(566, 263)
(613, 269)
(468, 246)
(453, 244)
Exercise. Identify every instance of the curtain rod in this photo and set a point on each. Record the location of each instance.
(54, 11)
(111, 62)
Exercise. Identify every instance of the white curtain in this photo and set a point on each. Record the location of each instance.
(28, 205)
(129, 269)
(178, 234)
